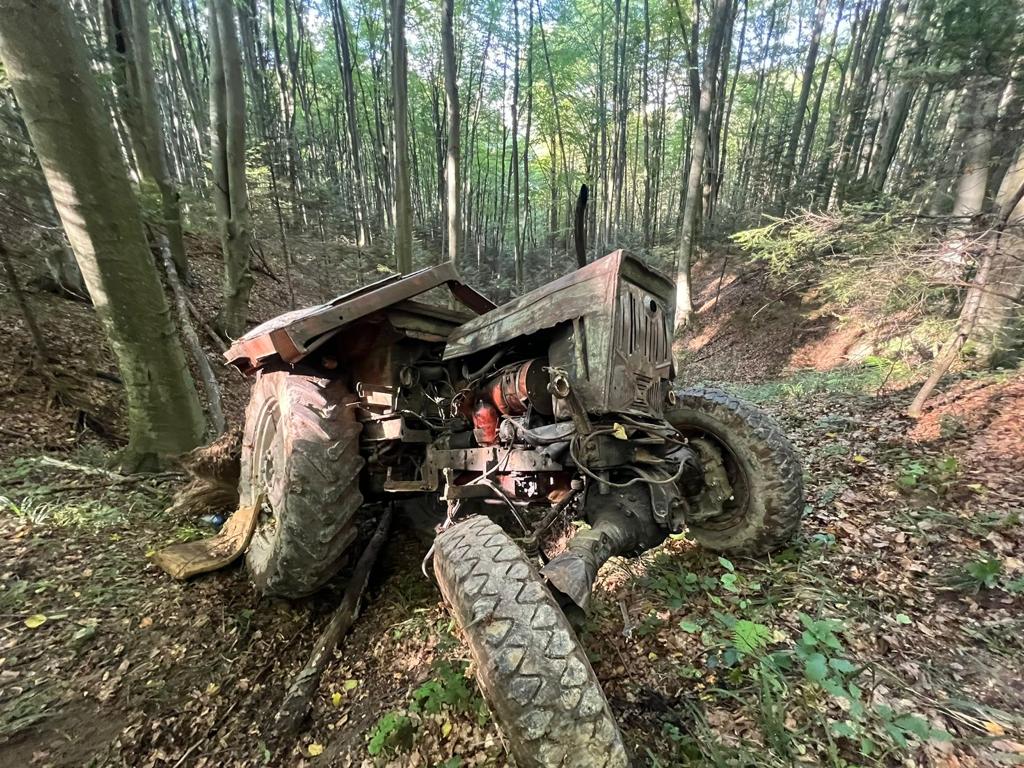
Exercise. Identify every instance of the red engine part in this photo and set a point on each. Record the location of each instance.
(518, 387)
(485, 423)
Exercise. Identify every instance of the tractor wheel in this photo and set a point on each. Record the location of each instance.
(300, 453)
(764, 510)
(533, 672)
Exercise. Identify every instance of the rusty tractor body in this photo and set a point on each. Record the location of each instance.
(554, 409)
(514, 407)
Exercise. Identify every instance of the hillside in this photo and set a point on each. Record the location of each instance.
(907, 580)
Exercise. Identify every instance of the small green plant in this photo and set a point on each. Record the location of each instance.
(979, 574)
(393, 732)
(936, 474)
(447, 689)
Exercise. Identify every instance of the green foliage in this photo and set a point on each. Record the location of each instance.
(860, 379)
(448, 689)
(936, 474)
(750, 637)
(393, 732)
(978, 574)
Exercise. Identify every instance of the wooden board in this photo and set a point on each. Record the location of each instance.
(183, 561)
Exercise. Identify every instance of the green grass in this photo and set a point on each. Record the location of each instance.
(863, 379)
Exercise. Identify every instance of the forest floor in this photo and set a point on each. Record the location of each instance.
(890, 633)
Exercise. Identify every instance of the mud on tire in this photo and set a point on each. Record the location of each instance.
(763, 468)
(534, 674)
(300, 450)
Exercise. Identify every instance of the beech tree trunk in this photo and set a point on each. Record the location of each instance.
(227, 149)
(47, 63)
(399, 87)
(998, 330)
(130, 20)
(452, 99)
(699, 146)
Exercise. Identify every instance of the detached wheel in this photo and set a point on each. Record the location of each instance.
(533, 672)
(760, 465)
(300, 452)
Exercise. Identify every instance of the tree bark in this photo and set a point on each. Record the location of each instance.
(1000, 320)
(227, 148)
(14, 285)
(47, 63)
(202, 362)
(789, 162)
(344, 53)
(400, 94)
(691, 215)
(131, 29)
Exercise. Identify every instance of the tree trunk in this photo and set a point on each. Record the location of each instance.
(579, 228)
(691, 215)
(789, 162)
(131, 29)
(344, 52)
(14, 285)
(227, 149)
(517, 252)
(1000, 320)
(46, 61)
(973, 181)
(399, 88)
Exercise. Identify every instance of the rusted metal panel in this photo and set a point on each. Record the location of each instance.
(294, 335)
(613, 321)
(587, 291)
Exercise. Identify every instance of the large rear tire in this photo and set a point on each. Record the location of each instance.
(764, 510)
(544, 695)
(300, 452)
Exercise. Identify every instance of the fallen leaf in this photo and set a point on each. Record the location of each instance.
(315, 749)
(994, 728)
(35, 620)
(336, 699)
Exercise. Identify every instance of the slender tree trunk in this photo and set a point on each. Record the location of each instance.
(14, 286)
(789, 162)
(344, 53)
(227, 149)
(451, 94)
(399, 88)
(691, 214)
(47, 64)
(812, 122)
(517, 250)
(131, 28)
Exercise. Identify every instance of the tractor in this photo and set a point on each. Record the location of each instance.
(544, 436)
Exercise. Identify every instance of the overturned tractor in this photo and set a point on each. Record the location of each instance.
(519, 420)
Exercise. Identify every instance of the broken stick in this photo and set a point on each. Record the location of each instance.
(300, 693)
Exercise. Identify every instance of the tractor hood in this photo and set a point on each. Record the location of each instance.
(589, 291)
(294, 335)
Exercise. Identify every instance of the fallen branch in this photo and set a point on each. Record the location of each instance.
(197, 316)
(300, 694)
(213, 400)
(951, 349)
